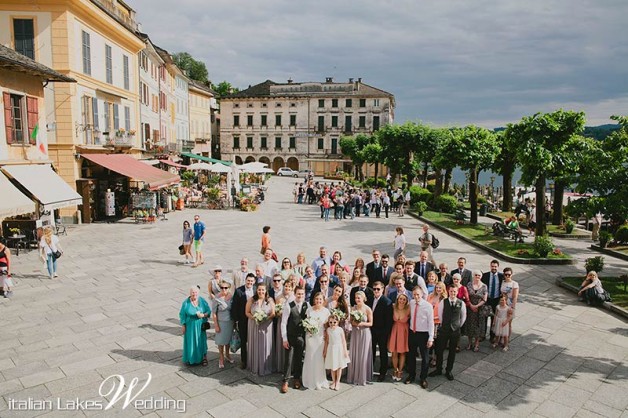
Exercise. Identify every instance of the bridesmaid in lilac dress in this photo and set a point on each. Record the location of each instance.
(360, 369)
(260, 310)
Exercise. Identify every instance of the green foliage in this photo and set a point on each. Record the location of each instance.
(372, 182)
(213, 194)
(187, 177)
(482, 200)
(621, 235)
(445, 203)
(605, 238)
(194, 69)
(543, 245)
(212, 181)
(595, 264)
(419, 207)
(224, 88)
(569, 226)
(419, 194)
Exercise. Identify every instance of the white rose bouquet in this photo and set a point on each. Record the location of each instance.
(259, 316)
(310, 325)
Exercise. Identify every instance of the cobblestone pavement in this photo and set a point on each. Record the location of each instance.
(114, 310)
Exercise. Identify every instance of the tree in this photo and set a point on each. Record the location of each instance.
(438, 138)
(506, 160)
(473, 149)
(224, 88)
(353, 148)
(194, 69)
(542, 149)
(607, 175)
(372, 153)
(397, 143)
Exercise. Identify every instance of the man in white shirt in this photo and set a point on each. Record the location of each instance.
(452, 313)
(293, 337)
(421, 335)
(323, 258)
(270, 266)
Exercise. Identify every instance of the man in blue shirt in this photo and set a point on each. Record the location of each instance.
(199, 237)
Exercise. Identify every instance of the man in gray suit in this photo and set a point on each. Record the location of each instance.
(464, 272)
(293, 336)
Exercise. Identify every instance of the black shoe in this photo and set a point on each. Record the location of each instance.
(382, 377)
(409, 380)
(449, 376)
(435, 373)
(424, 384)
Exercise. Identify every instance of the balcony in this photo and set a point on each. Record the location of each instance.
(119, 139)
(112, 9)
(186, 145)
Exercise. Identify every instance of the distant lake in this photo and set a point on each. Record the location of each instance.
(458, 176)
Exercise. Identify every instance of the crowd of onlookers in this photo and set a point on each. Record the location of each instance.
(345, 201)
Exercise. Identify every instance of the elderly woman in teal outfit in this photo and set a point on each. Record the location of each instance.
(194, 312)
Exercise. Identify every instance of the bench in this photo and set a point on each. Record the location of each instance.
(501, 230)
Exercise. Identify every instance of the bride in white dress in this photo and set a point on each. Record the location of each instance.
(314, 376)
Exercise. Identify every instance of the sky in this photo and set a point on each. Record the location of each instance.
(447, 62)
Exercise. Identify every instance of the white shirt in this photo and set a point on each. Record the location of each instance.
(249, 292)
(400, 242)
(424, 319)
(270, 267)
(375, 302)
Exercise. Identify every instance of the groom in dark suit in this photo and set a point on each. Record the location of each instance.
(238, 313)
(382, 325)
(293, 336)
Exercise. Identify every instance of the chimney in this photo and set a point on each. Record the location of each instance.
(290, 81)
(329, 79)
(359, 79)
(351, 80)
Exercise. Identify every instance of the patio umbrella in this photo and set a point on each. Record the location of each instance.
(254, 165)
(199, 166)
(220, 168)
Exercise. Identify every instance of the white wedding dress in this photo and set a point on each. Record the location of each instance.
(314, 376)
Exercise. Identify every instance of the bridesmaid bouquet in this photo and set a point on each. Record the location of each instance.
(338, 314)
(259, 316)
(310, 325)
(278, 308)
(358, 316)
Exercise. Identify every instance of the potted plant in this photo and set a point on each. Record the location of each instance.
(15, 231)
(605, 238)
(569, 226)
(595, 264)
(543, 245)
(420, 207)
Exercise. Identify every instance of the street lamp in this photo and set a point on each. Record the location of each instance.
(493, 190)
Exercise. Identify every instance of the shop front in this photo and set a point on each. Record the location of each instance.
(115, 186)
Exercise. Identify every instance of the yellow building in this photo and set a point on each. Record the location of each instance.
(23, 154)
(202, 103)
(95, 43)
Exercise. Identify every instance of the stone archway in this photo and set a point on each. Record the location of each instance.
(293, 163)
(277, 163)
(265, 160)
(238, 160)
(249, 159)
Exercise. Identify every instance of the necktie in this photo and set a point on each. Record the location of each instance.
(375, 303)
(494, 283)
(414, 317)
(423, 270)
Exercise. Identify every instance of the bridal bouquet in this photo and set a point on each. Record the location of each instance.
(358, 316)
(338, 314)
(278, 308)
(259, 316)
(310, 325)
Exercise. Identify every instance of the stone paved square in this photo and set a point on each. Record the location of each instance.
(114, 310)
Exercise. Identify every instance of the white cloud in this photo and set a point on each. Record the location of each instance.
(445, 61)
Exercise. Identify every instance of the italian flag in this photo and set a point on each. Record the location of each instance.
(41, 146)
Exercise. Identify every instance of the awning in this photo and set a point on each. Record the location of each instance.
(44, 185)
(206, 159)
(172, 163)
(13, 201)
(132, 168)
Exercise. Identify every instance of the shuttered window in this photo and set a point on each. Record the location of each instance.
(87, 57)
(21, 116)
(125, 65)
(108, 64)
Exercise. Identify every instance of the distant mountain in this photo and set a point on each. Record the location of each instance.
(596, 132)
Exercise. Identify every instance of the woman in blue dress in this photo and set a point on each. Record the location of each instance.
(194, 312)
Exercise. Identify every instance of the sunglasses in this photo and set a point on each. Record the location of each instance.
(276, 281)
(377, 288)
(324, 282)
(224, 288)
(507, 274)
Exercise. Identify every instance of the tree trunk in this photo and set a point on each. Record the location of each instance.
(409, 173)
(559, 192)
(447, 185)
(438, 187)
(507, 188)
(540, 206)
(376, 172)
(356, 171)
(425, 175)
(473, 195)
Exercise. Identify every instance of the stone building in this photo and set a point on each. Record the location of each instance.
(299, 125)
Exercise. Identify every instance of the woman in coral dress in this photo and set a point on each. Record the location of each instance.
(398, 340)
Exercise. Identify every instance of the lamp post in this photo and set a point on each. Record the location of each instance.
(233, 193)
(493, 191)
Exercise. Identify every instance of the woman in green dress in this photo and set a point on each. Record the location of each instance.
(194, 312)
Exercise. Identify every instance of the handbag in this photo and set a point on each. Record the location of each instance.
(235, 343)
(486, 311)
(56, 254)
(181, 250)
(205, 326)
